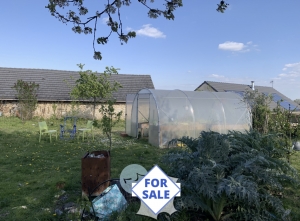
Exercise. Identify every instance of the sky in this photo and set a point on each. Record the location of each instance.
(252, 41)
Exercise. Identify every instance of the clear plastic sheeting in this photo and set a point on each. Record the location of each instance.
(163, 115)
(129, 101)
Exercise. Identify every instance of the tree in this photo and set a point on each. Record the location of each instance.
(261, 113)
(278, 120)
(115, 24)
(109, 119)
(94, 86)
(27, 96)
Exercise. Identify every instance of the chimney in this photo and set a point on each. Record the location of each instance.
(252, 85)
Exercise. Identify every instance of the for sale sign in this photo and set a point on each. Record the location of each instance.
(156, 191)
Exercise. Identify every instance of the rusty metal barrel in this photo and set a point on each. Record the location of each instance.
(95, 169)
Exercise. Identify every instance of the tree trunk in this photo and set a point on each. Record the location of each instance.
(94, 109)
(110, 129)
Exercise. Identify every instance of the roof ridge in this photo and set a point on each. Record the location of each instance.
(41, 69)
(237, 84)
(35, 69)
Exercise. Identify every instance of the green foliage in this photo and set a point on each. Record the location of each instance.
(113, 12)
(232, 176)
(109, 119)
(54, 108)
(261, 112)
(222, 6)
(278, 120)
(1, 105)
(281, 120)
(74, 109)
(296, 127)
(95, 87)
(27, 96)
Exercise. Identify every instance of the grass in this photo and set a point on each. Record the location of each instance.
(291, 197)
(36, 178)
(34, 174)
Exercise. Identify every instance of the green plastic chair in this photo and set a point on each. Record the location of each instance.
(44, 130)
(89, 128)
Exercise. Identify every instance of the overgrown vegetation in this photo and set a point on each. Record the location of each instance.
(27, 97)
(232, 177)
(279, 120)
(265, 120)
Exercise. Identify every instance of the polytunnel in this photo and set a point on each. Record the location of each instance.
(163, 115)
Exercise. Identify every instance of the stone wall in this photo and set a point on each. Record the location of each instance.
(48, 109)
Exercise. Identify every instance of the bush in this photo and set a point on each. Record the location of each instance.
(233, 176)
(27, 96)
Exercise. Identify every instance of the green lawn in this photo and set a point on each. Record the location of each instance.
(34, 174)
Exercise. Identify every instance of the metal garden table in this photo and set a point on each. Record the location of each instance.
(64, 129)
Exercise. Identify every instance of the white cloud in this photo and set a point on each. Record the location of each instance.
(216, 76)
(293, 65)
(291, 70)
(289, 75)
(238, 46)
(105, 20)
(283, 75)
(149, 31)
(232, 46)
(287, 81)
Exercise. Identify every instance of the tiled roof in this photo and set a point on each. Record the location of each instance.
(221, 87)
(53, 86)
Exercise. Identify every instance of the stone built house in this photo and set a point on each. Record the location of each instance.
(54, 91)
(241, 88)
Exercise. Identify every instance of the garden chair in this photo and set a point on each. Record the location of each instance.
(44, 130)
(89, 128)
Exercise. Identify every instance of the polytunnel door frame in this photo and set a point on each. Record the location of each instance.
(128, 112)
(139, 123)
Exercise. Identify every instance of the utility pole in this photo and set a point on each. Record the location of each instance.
(272, 82)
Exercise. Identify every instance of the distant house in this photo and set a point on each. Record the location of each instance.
(55, 88)
(241, 88)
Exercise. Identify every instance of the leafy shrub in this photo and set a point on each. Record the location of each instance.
(267, 120)
(232, 176)
(27, 96)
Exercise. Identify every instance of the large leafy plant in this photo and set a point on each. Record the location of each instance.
(232, 176)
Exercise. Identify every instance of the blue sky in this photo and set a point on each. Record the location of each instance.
(253, 40)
